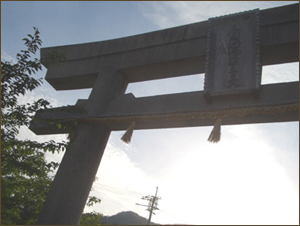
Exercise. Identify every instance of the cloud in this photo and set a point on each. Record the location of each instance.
(121, 183)
(174, 13)
(44, 91)
(235, 178)
(188, 83)
(40, 92)
(288, 72)
(6, 57)
(232, 180)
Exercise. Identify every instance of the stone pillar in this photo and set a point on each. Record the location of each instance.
(73, 181)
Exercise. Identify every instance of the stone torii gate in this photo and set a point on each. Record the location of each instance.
(230, 50)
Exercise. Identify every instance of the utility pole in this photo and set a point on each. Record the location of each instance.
(151, 210)
(152, 205)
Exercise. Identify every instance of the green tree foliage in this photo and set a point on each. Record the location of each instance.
(92, 218)
(25, 173)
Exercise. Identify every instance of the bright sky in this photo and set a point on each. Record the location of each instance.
(250, 177)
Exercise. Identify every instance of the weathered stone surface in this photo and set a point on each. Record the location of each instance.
(73, 181)
(171, 52)
(127, 105)
(233, 54)
(108, 66)
(70, 189)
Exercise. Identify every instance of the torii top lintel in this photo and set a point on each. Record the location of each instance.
(109, 66)
(168, 53)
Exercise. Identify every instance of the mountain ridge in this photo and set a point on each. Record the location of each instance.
(125, 218)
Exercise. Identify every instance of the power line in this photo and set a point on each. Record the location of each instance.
(117, 190)
(152, 204)
(136, 194)
(168, 212)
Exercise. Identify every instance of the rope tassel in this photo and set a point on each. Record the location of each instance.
(215, 134)
(128, 134)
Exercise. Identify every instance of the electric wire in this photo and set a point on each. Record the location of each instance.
(125, 192)
(168, 212)
(119, 191)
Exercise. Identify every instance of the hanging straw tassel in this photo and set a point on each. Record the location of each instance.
(128, 134)
(215, 134)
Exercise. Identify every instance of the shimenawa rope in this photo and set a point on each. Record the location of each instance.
(215, 134)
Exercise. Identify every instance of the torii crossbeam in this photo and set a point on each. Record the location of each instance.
(108, 67)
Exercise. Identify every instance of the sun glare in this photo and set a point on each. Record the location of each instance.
(236, 182)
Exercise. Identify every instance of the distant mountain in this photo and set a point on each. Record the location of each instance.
(125, 218)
